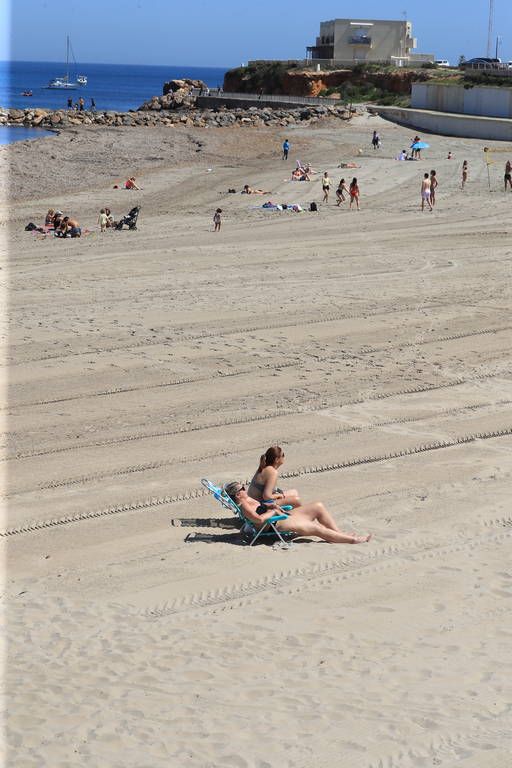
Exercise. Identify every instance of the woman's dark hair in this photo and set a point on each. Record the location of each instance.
(353, 182)
(270, 456)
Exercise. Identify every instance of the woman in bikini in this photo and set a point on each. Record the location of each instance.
(342, 188)
(263, 486)
(354, 193)
(306, 520)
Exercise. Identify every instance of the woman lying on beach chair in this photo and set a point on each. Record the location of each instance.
(307, 520)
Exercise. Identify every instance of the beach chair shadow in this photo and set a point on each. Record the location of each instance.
(249, 533)
(214, 538)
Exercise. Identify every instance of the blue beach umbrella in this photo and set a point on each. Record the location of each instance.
(420, 145)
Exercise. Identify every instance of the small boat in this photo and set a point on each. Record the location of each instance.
(64, 82)
(27, 93)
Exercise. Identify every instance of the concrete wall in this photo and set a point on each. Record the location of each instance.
(487, 101)
(242, 101)
(445, 124)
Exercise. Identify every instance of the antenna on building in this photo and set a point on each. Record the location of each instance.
(490, 28)
(404, 14)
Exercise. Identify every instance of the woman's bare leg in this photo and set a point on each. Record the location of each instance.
(316, 511)
(302, 526)
(291, 498)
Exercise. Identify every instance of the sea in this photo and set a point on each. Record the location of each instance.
(118, 87)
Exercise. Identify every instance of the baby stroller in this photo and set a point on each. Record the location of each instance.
(130, 219)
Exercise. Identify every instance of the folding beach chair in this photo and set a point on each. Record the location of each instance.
(249, 532)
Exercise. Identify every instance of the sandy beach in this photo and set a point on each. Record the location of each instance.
(374, 346)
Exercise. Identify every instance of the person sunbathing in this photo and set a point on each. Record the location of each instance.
(69, 227)
(263, 486)
(306, 520)
(247, 190)
(50, 216)
(131, 183)
(299, 174)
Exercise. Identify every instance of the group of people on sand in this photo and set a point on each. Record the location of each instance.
(63, 226)
(428, 190)
(263, 499)
(68, 226)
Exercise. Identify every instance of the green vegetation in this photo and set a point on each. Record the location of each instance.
(367, 92)
(266, 75)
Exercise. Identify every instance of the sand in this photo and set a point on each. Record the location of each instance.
(375, 347)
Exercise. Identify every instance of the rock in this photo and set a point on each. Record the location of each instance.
(176, 85)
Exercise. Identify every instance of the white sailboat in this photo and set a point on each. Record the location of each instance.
(64, 83)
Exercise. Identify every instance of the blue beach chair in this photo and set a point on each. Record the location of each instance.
(249, 532)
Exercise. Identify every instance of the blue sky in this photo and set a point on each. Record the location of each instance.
(228, 32)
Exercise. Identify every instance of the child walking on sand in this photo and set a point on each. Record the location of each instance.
(433, 186)
(217, 220)
(103, 220)
(354, 193)
(425, 192)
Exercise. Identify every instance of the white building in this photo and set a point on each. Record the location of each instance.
(348, 41)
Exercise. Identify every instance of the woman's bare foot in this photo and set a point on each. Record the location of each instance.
(361, 539)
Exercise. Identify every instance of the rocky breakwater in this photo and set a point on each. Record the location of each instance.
(187, 116)
(176, 94)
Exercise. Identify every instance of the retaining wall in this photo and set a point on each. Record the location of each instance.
(449, 124)
(484, 101)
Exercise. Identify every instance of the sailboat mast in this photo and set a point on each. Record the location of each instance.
(67, 58)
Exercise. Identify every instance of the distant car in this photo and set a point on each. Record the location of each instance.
(442, 62)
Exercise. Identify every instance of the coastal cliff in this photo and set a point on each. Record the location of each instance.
(386, 85)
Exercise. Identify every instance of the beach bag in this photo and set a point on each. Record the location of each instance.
(313, 207)
(30, 226)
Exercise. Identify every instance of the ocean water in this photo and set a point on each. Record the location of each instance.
(12, 133)
(117, 87)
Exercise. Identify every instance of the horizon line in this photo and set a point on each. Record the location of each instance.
(116, 64)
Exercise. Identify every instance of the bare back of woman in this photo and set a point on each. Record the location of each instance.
(263, 486)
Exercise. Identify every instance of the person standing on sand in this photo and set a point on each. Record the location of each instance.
(286, 149)
(103, 220)
(508, 175)
(326, 185)
(340, 196)
(464, 174)
(354, 193)
(81, 103)
(425, 192)
(217, 220)
(375, 140)
(433, 186)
